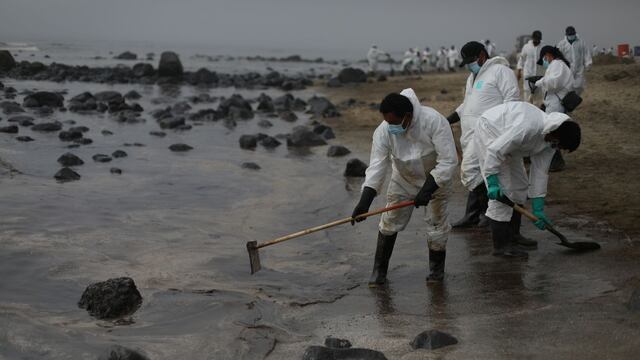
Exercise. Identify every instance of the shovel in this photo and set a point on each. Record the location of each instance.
(253, 246)
(578, 245)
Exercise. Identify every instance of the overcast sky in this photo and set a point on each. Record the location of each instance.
(333, 25)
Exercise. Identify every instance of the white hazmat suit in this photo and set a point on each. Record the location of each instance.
(505, 135)
(556, 84)
(453, 55)
(427, 147)
(579, 57)
(373, 57)
(527, 62)
(493, 85)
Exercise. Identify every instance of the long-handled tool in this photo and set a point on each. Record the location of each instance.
(253, 246)
(578, 245)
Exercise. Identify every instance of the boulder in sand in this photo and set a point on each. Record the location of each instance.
(44, 98)
(352, 75)
(270, 142)
(69, 135)
(132, 95)
(115, 170)
(336, 343)
(248, 141)
(170, 65)
(47, 127)
(288, 116)
(7, 62)
(180, 147)
(111, 299)
(433, 339)
(321, 106)
(251, 166)
(66, 174)
(127, 55)
(337, 150)
(118, 352)
(11, 107)
(24, 138)
(143, 70)
(119, 154)
(304, 136)
(355, 168)
(69, 159)
(101, 158)
(326, 353)
(11, 129)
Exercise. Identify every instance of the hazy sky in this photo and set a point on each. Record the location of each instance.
(320, 24)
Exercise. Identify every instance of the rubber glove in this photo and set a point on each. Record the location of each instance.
(493, 189)
(363, 205)
(426, 192)
(538, 210)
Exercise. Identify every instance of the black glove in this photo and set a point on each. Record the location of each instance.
(453, 118)
(424, 195)
(363, 205)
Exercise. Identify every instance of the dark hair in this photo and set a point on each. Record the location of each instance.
(397, 104)
(569, 135)
(556, 54)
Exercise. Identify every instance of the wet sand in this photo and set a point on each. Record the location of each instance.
(178, 223)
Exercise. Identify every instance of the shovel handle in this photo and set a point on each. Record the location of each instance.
(532, 217)
(334, 223)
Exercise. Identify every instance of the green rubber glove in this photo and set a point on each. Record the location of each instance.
(493, 188)
(538, 210)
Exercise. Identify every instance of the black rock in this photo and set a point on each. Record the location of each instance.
(206, 115)
(284, 102)
(230, 124)
(82, 129)
(143, 70)
(101, 158)
(321, 106)
(66, 174)
(324, 131)
(11, 129)
(24, 138)
(115, 170)
(180, 147)
(82, 98)
(44, 98)
(266, 105)
(336, 343)
(11, 107)
(83, 141)
(106, 132)
(287, 115)
(352, 75)
(119, 154)
(118, 352)
(127, 55)
(47, 127)
(235, 101)
(325, 353)
(433, 339)
(270, 142)
(248, 141)
(265, 123)
(7, 62)
(337, 150)
(355, 168)
(69, 159)
(180, 107)
(634, 301)
(299, 105)
(304, 136)
(251, 166)
(69, 135)
(236, 113)
(171, 123)
(111, 299)
(132, 95)
(202, 77)
(334, 82)
(170, 65)
(158, 133)
(109, 96)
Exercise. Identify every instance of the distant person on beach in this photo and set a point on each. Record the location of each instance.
(490, 83)
(579, 56)
(529, 69)
(442, 59)
(373, 56)
(453, 57)
(415, 145)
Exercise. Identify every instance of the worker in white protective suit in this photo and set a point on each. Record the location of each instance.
(504, 136)
(528, 69)
(442, 59)
(556, 84)
(491, 48)
(452, 58)
(373, 56)
(579, 56)
(415, 144)
(491, 82)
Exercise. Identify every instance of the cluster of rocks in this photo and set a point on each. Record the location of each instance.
(70, 160)
(109, 101)
(170, 70)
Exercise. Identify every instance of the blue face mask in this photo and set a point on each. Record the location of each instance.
(545, 63)
(571, 38)
(474, 67)
(396, 129)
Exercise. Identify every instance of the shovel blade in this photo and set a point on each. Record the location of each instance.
(581, 245)
(254, 256)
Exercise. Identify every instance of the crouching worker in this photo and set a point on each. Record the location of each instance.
(415, 144)
(505, 135)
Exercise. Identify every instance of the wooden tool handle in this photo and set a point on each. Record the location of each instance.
(525, 212)
(335, 223)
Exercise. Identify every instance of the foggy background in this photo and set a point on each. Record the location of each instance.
(340, 27)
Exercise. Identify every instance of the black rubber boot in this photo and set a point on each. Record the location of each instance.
(557, 163)
(503, 244)
(477, 203)
(526, 243)
(436, 266)
(381, 260)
